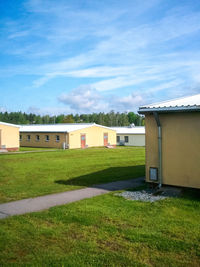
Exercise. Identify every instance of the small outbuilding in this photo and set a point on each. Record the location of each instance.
(9, 137)
(130, 136)
(70, 135)
(173, 142)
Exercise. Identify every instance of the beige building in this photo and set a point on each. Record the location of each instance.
(75, 135)
(173, 142)
(9, 137)
(130, 136)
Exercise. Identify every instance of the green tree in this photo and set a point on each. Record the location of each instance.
(132, 117)
(68, 119)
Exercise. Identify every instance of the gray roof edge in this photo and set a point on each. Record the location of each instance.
(130, 133)
(22, 131)
(143, 110)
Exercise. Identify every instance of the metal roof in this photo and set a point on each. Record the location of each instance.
(59, 127)
(189, 103)
(130, 130)
(9, 124)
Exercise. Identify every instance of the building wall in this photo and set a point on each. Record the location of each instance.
(180, 148)
(42, 142)
(9, 137)
(133, 139)
(94, 137)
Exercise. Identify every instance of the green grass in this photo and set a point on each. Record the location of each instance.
(34, 174)
(35, 148)
(105, 231)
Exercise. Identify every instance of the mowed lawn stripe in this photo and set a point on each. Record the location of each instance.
(35, 174)
(105, 231)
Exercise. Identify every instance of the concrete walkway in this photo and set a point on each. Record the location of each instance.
(28, 151)
(45, 202)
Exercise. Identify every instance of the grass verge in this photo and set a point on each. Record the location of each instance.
(105, 231)
(34, 174)
(22, 149)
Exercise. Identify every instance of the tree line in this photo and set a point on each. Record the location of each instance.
(107, 119)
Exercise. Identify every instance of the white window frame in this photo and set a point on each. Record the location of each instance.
(58, 140)
(47, 138)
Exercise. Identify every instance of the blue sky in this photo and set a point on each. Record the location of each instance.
(85, 56)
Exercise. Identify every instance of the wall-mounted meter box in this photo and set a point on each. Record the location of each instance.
(153, 174)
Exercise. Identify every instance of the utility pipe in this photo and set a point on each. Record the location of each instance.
(156, 116)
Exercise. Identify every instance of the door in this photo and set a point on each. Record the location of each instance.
(83, 142)
(105, 137)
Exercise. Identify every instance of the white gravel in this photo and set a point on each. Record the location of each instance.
(144, 195)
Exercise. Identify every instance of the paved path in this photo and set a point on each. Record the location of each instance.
(28, 151)
(45, 202)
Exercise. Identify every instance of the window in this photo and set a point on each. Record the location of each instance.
(126, 139)
(28, 137)
(57, 138)
(118, 139)
(47, 138)
(37, 138)
(20, 137)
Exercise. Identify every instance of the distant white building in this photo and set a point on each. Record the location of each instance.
(130, 135)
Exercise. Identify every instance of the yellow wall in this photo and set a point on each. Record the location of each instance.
(134, 139)
(43, 143)
(9, 136)
(180, 148)
(94, 137)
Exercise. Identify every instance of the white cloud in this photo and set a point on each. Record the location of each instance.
(2, 109)
(41, 81)
(48, 110)
(18, 34)
(164, 86)
(123, 81)
(84, 99)
(112, 46)
(128, 103)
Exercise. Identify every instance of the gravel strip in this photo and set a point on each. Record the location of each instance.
(144, 195)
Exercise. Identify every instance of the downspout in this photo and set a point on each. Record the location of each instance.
(156, 116)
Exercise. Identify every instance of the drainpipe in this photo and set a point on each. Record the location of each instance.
(156, 116)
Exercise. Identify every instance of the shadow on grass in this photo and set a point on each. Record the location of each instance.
(111, 174)
(191, 193)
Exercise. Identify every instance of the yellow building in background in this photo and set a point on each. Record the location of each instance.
(9, 137)
(173, 142)
(75, 135)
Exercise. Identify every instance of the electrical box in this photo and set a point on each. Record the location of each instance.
(153, 174)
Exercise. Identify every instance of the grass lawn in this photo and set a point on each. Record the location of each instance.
(34, 174)
(105, 231)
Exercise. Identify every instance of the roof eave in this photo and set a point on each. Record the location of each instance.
(9, 124)
(25, 131)
(130, 133)
(169, 109)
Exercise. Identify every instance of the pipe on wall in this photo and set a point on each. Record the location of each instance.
(156, 116)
